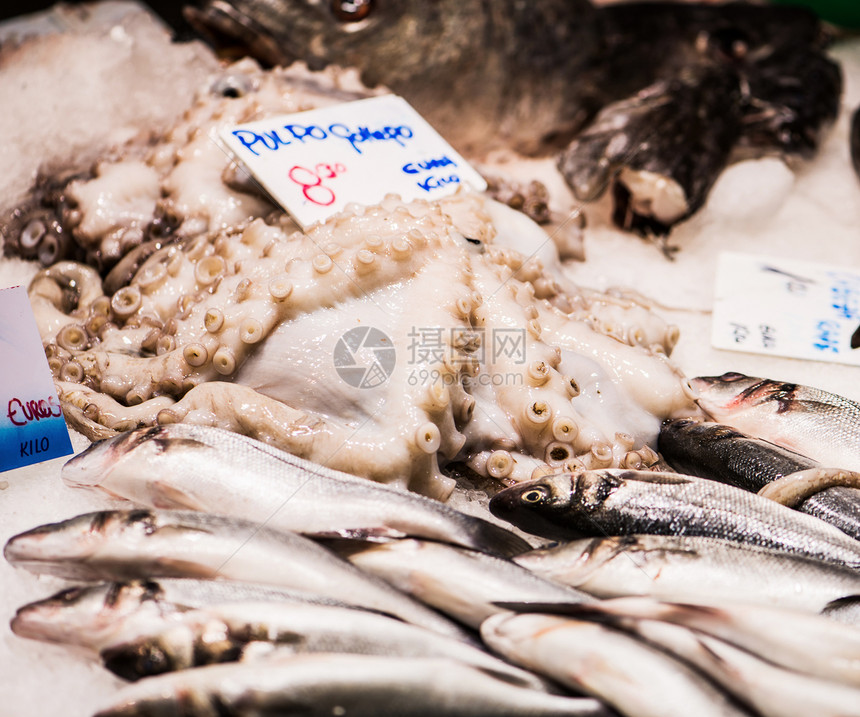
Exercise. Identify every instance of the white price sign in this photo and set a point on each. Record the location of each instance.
(788, 308)
(315, 163)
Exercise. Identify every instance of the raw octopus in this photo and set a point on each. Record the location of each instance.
(500, 363)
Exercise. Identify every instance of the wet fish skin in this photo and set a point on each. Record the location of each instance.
(626, 502)
(217, 471)
(461, 583)
(138, 633)
(327, 684)
(720, 452)
(771, 691)
(121, 545)
(820, 425)
(783, 637)
(693, 569)
(632, 677)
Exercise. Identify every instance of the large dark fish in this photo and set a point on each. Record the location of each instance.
(675, 87)
(626, 502)
(719, 452)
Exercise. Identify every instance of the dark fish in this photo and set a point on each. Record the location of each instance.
(624, 502)
(680, 85)
(719, 452)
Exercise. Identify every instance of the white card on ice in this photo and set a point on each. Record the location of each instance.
(786, 307)
(32, 427)
(315, 163)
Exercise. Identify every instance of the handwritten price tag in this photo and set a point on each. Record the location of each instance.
(315, 163)
(32, 427)
(789, 308)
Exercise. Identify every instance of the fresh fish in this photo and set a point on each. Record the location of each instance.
(91, 616)
(137, 633)
(461, 583)
(821, 425)
(700, 77)
(217, 471)
(769, 690)
(783, 637)
(624, 502)
(683, 568)
(719, 452)
(355, 685)
(634, 678)
(118, 545)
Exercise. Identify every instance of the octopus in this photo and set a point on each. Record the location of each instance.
(392, 341)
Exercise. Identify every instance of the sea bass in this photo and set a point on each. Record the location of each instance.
(624, 502)
(821, 425)
(137, 633)
(770, 690)
(217, 471)
(719, 452)
(458, 582)
(692, 569)
(117, 545)
(634, 678)
(533, 74)
(354, 685)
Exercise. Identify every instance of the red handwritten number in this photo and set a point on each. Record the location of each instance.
(311, 182)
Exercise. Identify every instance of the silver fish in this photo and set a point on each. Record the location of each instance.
(720, 452)
(111, 545)
(625, 502)
(217, 471)
(682, 568)
(770, 690)
(323, 685)
(821, 425)
(137, 633)
(460, 583)
(783, 637)
(635, 679)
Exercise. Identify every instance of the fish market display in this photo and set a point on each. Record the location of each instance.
(360, 685)
(683, 568)
(632, 677)
(641, 79)
(620, 502)
(718, 452)
(217, 471)
(138, 544)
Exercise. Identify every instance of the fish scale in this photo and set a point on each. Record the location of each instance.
(624, 502)
(721, 453)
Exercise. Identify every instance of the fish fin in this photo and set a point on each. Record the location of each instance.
(497, 540)
(845, 601)
(166, 496)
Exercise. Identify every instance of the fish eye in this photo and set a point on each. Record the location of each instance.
(351, 10)
(534, 495)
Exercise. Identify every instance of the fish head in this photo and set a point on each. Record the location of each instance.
(82, 615)
(91, 467)
(537, 506)
(65, 548)
(732, 394)
(381, 39)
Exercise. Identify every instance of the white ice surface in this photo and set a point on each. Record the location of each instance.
(814, 215)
